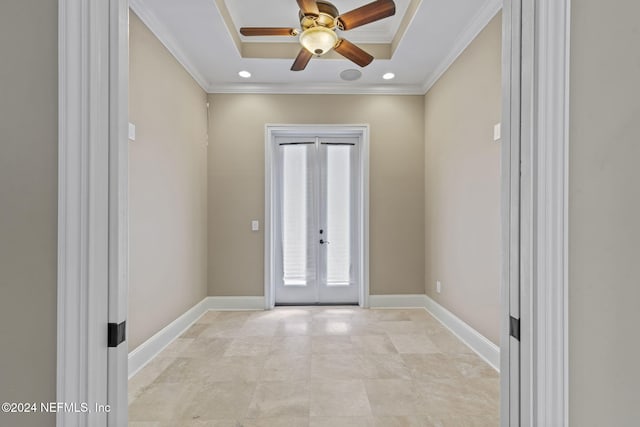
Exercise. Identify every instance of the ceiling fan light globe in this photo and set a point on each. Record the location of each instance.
(318, 40)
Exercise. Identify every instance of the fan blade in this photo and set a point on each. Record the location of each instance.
(309, 7)
(268, 31)
(353, 53)
(302, 60)
(366, 14)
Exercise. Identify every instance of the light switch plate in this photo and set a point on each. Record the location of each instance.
(496, 132)
(438, 286)
(255, 225)
(132, 132)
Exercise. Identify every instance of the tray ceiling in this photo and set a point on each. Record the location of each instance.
(417, 44)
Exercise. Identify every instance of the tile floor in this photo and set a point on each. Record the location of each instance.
(316, 367)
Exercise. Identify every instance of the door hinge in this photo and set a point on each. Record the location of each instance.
(116, 333)
(514, 327)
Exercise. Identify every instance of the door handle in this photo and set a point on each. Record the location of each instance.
(322, 242)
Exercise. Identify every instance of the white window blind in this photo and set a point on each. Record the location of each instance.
(338, 214)
(297, 215)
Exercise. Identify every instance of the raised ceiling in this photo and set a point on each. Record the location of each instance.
(285, 13)
(417, 44)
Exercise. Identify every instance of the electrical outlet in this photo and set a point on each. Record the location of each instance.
(438, 286)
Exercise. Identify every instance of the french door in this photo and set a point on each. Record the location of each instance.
(316, 232)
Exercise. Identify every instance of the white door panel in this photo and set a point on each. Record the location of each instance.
(338, 255)
(316, 231)
(297, 265)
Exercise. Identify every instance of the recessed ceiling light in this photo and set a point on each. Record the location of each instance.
(244, 74)
(350, 75)
(388, 76)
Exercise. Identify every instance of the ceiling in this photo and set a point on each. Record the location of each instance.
(417, 44)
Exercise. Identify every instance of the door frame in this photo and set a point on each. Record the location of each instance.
(535, 221)
(272, 131)
(92, 282)
(93, 211)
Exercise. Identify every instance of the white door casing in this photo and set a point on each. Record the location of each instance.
(92, 210)
(510, 214)
(117, 390)
(534, 383)
(545, 65)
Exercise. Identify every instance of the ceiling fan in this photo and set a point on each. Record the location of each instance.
(318, 21)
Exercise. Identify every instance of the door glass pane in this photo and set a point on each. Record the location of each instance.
(296, 188)
(338, 188)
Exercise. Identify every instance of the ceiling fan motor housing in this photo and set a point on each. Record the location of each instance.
(318, 31)
(326, 18)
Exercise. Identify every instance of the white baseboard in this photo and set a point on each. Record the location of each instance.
(472, 338)
(235, 303)
(148, 350)
(487, 350)
(397, 301)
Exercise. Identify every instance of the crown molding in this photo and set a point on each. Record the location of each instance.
(169, 42)
(326, 89)
(477, 24)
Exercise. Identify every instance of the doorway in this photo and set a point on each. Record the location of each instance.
(97, 243)
(317, 229)
(317, 215)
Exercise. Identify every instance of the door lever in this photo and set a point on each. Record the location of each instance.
(322, 242)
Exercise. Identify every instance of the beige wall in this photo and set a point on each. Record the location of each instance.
(168, 161)
(604, 214)
(236, 184)
(462, 175)
(28, 205)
